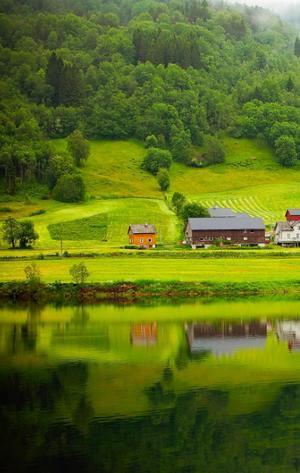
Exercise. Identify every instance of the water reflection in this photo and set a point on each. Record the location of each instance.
(104, 390)
(226, 337)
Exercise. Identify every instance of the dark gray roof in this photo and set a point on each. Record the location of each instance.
(142, 228)
(283, 226)
(220, 212)
(294, 212)
(240, 223)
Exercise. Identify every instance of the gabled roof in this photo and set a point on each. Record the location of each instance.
(142, 228)
(220, 212)
(295, 212)
(240, 223)
(284, 227)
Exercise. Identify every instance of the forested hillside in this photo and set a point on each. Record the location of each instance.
(177, 70)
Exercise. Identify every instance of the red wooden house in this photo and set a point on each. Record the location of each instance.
(292, 215)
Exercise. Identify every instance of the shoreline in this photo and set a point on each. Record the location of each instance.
(138, 291)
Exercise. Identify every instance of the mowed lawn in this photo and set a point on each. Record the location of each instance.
(135, 268)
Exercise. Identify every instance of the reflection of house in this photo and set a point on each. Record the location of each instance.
(289, 331)
(226, 338)
(144, 334)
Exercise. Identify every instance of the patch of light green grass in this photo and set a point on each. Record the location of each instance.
(90, 228)
(113, 169)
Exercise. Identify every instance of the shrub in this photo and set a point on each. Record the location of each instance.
(79, 273)
(151, 141)
(69, 188)
(193, 210)
(78, 147)
(6, 209)
(214, 152)
(285, 149)
(32, 273)
(156, 159)
(37, 212)
(163, 179)
(178, 200)
(26, 234)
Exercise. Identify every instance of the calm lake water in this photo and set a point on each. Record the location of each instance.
(199, 388)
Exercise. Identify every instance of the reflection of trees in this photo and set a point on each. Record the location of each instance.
(47, 418)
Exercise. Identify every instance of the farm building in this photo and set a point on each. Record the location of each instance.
(142, 235)
(238, 229)
(292, 215)
(287, 233)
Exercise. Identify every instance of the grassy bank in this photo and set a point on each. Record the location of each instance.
(138, 291)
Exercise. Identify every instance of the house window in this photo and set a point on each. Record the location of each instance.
(130, 240)
(297, 236)
(141, 240)
(245, 238)
(288, 236)
(228, 238)
(252, 231)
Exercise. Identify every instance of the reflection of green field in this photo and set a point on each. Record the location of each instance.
(161, 269)
(122, 373)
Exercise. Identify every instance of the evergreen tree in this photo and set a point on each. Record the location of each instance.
(54, 73)
(297, 47)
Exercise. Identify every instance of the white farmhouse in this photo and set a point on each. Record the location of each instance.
(287, 233)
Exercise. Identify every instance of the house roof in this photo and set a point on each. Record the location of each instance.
(142, 228)
(283, 226)
(220, 212)
(295, 212)
(240, 223)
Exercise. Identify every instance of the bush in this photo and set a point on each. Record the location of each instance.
(214, 151)
(193, 210)
(37, 212)
(32, 273)
(69, 189)
(6, 209)
(79, 273)
(78, 147)
(151, 141)
(163, 179)
(178, 200)
(285, 149)
(156, 159)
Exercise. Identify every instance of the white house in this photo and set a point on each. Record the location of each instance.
(287, 233)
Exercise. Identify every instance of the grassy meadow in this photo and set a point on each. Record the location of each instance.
(120, 193)
(230, 270)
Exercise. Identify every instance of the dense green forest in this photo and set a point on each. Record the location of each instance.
(173, 72)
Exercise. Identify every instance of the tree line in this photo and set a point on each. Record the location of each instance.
(181, 73)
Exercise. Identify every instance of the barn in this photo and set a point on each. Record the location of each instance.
(240, 229)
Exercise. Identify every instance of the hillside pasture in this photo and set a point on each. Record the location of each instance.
(100, 224)
(249, 181)
(114, 170)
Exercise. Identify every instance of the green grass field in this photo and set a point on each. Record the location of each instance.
(132, 269)
(121, 193)
(249, 181)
